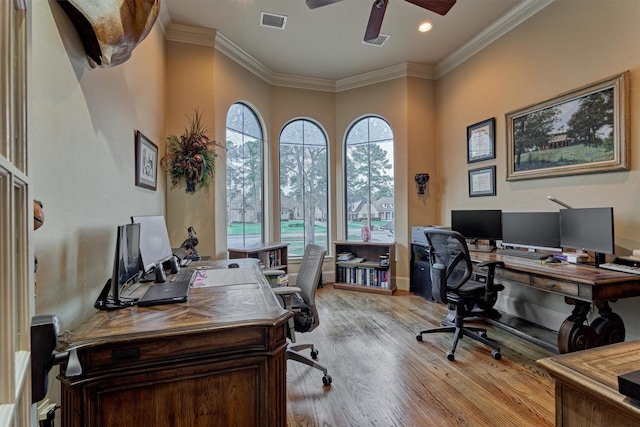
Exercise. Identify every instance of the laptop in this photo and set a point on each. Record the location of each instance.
(165, 293)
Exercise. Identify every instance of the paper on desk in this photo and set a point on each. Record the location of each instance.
(224, 277)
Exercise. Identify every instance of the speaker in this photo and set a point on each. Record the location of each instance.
(160, 276)
(174, 265)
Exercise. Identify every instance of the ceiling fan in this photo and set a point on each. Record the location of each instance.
(441, 7)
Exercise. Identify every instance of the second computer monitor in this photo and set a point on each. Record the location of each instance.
(589, 229)
(478, 224)
(533, 230)
(155, 246)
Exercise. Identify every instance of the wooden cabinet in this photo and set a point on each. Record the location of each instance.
(587, 386)
(365, 272)
(217, 360)
(273, 256)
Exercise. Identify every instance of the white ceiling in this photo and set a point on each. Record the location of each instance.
(326, 43)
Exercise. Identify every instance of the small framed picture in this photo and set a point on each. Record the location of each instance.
(146, 162)
(481, 141)
(482, 182)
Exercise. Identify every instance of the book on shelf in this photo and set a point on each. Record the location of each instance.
(363, 276)
(271, 258)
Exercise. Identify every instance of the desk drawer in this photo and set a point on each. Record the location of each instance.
(555, 285)
(504, 275)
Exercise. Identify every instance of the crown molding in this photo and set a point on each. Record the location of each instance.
(502, 26)
(237, 54)
(301, 82)
(190, 34)
(407, 69)
(209, 37)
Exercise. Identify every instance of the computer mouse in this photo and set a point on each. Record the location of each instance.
(233, 265)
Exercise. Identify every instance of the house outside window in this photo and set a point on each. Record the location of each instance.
(369, 180)
(303, 186)
(244, 177)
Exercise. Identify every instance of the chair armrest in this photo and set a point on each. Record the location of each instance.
(274, 276)
(273, 273)
(286, 290)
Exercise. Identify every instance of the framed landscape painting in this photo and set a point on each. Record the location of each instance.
(579, 132)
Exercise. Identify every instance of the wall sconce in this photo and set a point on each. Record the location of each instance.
(421, 181)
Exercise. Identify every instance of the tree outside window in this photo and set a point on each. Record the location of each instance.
(369, 180)
(303, 186)
(244, 177)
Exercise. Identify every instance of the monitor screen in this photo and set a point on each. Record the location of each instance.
(126, 264)
(154, 240)
(478, 224)
(589, 229)
(536, 230)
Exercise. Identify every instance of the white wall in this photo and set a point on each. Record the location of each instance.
(81, 132)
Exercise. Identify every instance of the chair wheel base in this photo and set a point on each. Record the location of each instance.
(314, 354)
(496, 355)
(327, 380)
(451, 356)
(419, 337)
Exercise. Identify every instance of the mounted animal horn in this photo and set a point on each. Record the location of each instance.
(111, 29)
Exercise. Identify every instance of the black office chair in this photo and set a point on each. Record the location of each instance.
(452, 284)
(301, 300)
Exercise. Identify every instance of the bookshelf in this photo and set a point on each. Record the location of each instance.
(365, 275)
(272, 255)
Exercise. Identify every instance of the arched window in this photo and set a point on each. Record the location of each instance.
(369, 180)
(303, 186)
(244, 177)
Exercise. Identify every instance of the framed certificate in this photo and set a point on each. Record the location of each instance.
(482, 182)
(481, 141)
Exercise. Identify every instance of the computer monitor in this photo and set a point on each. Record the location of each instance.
(589, 229)
(478, 224)
(155, 246)
(126, 263)
(531, 230)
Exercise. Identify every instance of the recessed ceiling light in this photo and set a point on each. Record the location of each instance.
(424, 27)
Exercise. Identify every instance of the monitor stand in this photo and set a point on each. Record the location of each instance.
(474, 246)
(103, 302)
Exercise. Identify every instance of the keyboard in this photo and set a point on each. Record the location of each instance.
(623, 265)
(522, 254)
(185, 275)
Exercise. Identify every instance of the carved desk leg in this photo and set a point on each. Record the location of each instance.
(609, 326)
(573, 334)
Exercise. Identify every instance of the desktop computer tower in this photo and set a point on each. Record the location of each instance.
(419, 266)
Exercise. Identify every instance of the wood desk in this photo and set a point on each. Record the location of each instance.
(587, 386)
(218, 359)
(581, 285)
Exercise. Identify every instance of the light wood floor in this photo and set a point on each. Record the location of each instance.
(382, 376)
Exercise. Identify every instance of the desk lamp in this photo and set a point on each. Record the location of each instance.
(563, 204)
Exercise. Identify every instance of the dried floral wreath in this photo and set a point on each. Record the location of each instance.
(191, 156)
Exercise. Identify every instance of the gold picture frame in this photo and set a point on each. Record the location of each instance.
(579, 132)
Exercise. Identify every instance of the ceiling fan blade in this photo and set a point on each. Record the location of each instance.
(375, 20)
(441, 7)
(312, 4)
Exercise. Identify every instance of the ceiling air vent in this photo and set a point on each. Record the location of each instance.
(272, 20)
(378, 41)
